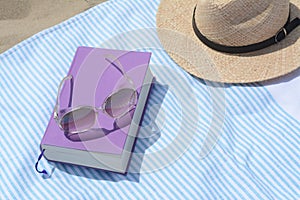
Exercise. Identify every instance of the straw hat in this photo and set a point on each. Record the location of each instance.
(224, 40)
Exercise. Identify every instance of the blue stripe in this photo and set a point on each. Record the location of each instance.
(182, 92)
(250, 129)
(256, 157)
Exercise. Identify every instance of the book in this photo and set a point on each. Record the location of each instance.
(95, 82)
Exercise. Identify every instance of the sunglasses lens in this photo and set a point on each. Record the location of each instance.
(78, 120)
(121, 102)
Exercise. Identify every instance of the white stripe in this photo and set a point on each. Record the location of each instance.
(31, 71)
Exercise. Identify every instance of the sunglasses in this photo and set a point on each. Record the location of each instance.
(83, 118)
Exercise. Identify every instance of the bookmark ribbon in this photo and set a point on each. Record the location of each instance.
(37, 163)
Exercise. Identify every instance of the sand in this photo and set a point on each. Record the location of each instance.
(20, 19)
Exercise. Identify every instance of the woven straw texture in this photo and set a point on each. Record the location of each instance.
(233, 23)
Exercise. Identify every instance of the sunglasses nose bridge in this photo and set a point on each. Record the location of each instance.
(99, 109)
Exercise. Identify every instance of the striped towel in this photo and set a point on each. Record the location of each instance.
(255, 157)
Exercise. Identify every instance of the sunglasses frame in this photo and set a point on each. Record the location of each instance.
(58, 115)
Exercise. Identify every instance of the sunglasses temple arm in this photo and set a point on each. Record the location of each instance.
(56, 107)
(121, 69)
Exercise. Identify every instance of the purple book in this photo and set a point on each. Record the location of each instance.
(100, 77)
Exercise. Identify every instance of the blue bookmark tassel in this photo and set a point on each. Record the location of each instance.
(37, 163)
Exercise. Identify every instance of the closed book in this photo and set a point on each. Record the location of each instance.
(97, 77)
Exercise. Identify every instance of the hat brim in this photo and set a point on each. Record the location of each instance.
(175, 31)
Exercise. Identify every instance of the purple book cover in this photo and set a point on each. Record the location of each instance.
(94, 79)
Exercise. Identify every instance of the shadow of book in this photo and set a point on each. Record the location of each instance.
(149, 134)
